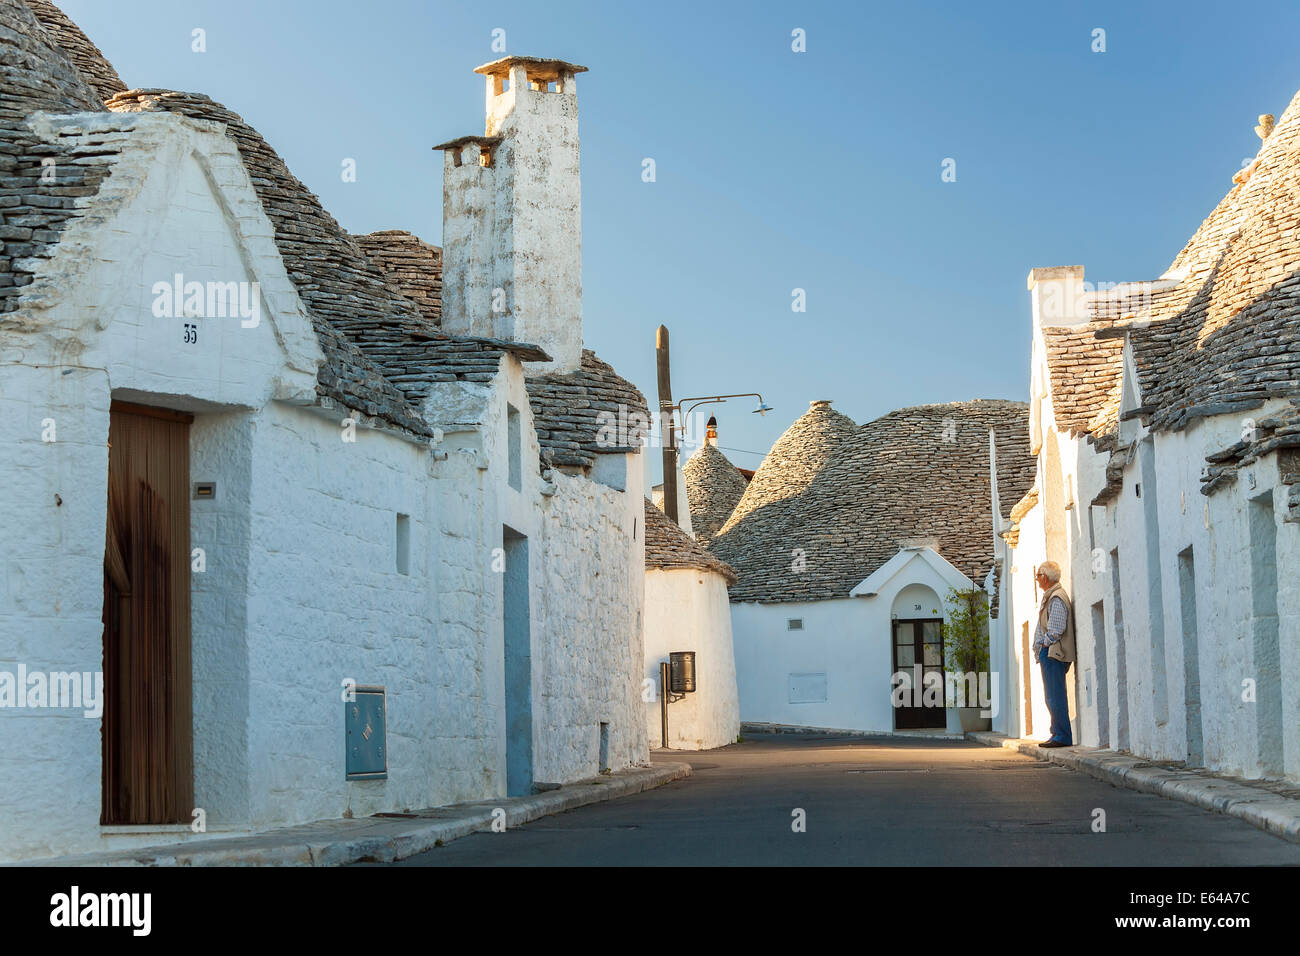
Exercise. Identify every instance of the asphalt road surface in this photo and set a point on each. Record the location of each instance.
(873, 802)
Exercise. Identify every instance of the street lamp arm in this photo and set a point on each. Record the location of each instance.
(705, 399)
(698, 400)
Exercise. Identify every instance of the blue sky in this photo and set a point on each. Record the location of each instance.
(776, 170)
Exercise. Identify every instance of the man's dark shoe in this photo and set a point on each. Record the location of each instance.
(1054, 743)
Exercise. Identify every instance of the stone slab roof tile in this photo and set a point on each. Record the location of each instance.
(38, 73)
(1086, 377)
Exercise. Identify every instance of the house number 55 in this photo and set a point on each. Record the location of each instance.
(191, 333)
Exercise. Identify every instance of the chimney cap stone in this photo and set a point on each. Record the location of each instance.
(466, 140)
(1045, 273)
(539, 68)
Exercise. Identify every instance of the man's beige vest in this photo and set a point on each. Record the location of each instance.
(1062, 650)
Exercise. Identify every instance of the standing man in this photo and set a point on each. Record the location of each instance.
(1054, 650)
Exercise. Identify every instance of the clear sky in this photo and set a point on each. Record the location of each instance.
(777, 170)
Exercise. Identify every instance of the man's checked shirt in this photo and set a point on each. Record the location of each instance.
(1057, 615)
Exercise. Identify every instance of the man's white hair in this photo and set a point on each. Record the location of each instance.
(1050, 570)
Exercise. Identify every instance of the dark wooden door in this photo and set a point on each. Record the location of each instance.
(918, 652)
(148, 752)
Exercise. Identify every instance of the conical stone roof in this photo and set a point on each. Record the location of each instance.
(412, 265)
(1230, 336)
(38, 74)
(1218, 334)
(791, 465)
(668, 547)
(85, 56)
(713, 487)
(36, 207)
(917, 473)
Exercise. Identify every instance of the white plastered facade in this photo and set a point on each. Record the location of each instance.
(686, 609)
(301, 588)
(1174, 606)
(829, 664)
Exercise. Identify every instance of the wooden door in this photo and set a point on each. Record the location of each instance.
(148, 751)
(918, 652)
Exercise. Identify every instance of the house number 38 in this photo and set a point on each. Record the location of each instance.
(191, 333)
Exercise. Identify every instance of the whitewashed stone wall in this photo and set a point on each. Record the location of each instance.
(840, 639)
(49, 617)
(686, 609)
(586, 564)
(301, 588)
(222, 448)
(327, 603)
(587, 644)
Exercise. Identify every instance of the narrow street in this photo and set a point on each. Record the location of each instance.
(873, 802)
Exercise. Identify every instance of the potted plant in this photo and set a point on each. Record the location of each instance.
(966, 651)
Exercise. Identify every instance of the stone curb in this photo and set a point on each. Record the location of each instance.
(328, 842)
(797, 729)
(1269, 812)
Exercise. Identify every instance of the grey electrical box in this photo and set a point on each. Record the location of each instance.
(365, 733)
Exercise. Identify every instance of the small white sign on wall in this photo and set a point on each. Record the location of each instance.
(807, 688)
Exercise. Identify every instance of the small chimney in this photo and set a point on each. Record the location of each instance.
(711, 432)
(1059, 296)
(512, 214)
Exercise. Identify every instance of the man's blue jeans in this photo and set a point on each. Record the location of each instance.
(1058, 705)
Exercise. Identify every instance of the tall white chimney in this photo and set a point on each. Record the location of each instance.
(512, 214)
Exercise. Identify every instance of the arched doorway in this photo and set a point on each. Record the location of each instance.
(917, 640)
